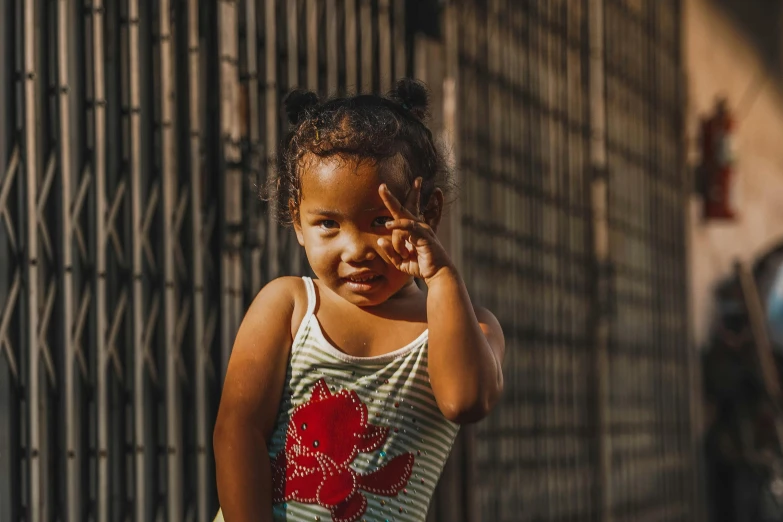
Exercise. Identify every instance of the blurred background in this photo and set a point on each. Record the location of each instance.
(621, 211)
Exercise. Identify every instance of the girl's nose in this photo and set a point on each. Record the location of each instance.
(358, 249)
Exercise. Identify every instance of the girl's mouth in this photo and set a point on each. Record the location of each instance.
(362, 283)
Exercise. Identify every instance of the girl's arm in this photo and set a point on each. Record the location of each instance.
(466, 344)
(249, 403)
(466, 348)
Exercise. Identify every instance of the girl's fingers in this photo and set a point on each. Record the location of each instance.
(414, 227)
(396, 208)
(409, 247)
(391, 202)
(413, 200)
(389, 254)
(398, 242)
(405, 226)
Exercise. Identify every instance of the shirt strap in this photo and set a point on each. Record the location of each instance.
(311, 296)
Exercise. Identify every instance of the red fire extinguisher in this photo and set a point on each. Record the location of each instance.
(717, 164)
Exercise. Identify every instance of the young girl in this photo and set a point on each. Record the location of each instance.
(344, 394)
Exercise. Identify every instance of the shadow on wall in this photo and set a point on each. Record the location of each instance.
(762, 24)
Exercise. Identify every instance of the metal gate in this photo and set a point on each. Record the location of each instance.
(569, 144)
(133, 139)
(650, 359)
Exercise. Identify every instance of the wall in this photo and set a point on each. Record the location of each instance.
(733, 47)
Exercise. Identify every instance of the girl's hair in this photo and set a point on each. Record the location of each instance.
(366, 127)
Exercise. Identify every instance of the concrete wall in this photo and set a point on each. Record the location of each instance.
(733, 48)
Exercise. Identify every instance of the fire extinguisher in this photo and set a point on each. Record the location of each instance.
(717, 164)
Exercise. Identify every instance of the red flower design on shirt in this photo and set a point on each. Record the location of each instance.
(324, 436)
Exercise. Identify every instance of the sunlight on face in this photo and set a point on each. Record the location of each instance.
(341, 217)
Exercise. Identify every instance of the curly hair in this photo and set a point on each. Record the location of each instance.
(366, 127)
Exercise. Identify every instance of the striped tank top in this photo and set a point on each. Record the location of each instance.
(356, 438)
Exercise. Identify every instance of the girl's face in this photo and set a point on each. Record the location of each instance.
(341, 217)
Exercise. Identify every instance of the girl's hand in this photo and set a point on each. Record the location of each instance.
(414, 248)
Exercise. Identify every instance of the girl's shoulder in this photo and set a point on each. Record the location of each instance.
(287, 293)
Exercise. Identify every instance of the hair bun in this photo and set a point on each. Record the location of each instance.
(413, 96)
(298, 104)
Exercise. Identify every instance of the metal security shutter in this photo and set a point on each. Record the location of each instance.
(569, 148)
(651, 449)
(134, 140)
(523, 156)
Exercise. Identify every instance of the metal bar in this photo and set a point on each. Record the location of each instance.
(170, 182)
(231, 260)
(576, 141)
(272, 124)
(10, 385)
(99, 170)
(292, 43)
(537, 292)
(289, 245)
(507, 313)
(255, 219)
(294, 81)
(400, 44)
(32, 269)
(517, 56)
(256, 225)
(312, 44)
(351, 50)
(10, 274)
(384, 46)
(600, 248)
(635, 467)
(366, 48)
(547, 218)
(143, 447)
(68, 145)
(48, 261)
(489, 51)
(6, 86)
(451, 123)
(332, 82)
(200, 350)
(556, 155)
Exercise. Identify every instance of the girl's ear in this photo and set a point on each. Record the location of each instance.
(294, 212)
(434, 209)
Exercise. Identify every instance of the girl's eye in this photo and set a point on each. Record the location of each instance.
(381, 221)
(328, 224)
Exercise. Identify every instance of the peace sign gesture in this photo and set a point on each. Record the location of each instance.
(414, 248)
